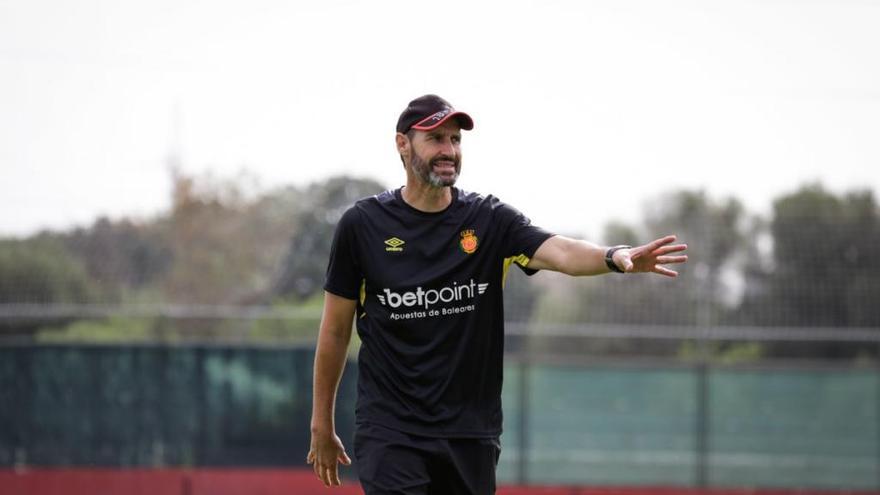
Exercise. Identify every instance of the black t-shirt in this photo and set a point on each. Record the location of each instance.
(430, 308)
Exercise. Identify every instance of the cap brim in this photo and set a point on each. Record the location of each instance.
(464, 121)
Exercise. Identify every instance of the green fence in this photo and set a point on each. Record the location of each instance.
(158, 406)
(693, 426)
(587, 425)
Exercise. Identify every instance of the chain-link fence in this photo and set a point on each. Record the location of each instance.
(187, 341)
(592, 422)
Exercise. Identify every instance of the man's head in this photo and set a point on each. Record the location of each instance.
(429, 138)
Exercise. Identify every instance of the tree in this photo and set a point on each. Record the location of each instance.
(713, 230)
(825, 271)
(121, 256)
(303, 269)
(226, 241)
(39, 271)
(701, 296)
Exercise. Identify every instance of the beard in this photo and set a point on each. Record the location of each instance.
(425, 170)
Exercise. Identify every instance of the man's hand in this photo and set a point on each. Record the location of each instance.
(649, 257)
(326, 450)
(325, 454)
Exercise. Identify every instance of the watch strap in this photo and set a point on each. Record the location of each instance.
(609, 257)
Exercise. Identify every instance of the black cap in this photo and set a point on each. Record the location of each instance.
(429, 111)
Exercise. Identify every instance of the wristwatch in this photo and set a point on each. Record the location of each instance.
(609, 257)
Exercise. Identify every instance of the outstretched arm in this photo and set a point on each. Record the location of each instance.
(576, 257)
(326, 449)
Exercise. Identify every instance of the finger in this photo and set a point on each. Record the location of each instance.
(656, 247)
(325, 475)
(310, 459)
(670, 249)
(316, 467)
(626, 262)
(344, 459)
(335, 475)
(665, 271)
(665, 260)
(656, 243)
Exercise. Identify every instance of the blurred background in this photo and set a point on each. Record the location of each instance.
(172, 173)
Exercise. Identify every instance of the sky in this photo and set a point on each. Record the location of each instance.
(585, 111)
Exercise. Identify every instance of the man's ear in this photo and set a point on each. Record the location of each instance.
(403, 144)
(404, 147)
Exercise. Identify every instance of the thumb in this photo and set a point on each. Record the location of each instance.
(344, 459)
(626, 262)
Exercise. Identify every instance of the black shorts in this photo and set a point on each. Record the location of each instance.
(392, 462)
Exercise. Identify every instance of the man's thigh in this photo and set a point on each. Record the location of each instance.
(392, 462)
(468, 468)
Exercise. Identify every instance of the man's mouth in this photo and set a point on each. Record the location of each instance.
(444, 165)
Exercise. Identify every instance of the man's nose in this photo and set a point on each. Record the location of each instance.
(448, 148)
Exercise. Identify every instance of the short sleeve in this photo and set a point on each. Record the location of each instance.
(343, 270)
(522, 238)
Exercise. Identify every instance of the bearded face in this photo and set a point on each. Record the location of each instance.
(440, 171)
(435, 155)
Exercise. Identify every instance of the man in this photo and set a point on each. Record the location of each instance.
(421, 269)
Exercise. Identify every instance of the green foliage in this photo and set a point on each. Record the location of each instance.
(309, 248)
(811, 264)
(225, 246)
(713, 226)
(824, 268)
(290, 321)
(225, 242)
(713, 231)
(722, 353)
(115, 329)
(294, 322)
(620, 233)
(222, 243)
(40, 270)
(120, 256)
(521, 294)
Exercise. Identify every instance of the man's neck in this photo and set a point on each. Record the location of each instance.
(424, 197)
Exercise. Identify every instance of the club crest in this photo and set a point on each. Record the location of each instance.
(469, 241)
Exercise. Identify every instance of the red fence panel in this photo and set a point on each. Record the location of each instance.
(215, 481)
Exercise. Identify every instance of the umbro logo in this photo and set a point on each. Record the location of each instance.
(394, 245)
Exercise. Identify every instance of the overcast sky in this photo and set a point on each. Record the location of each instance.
(583, 110)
